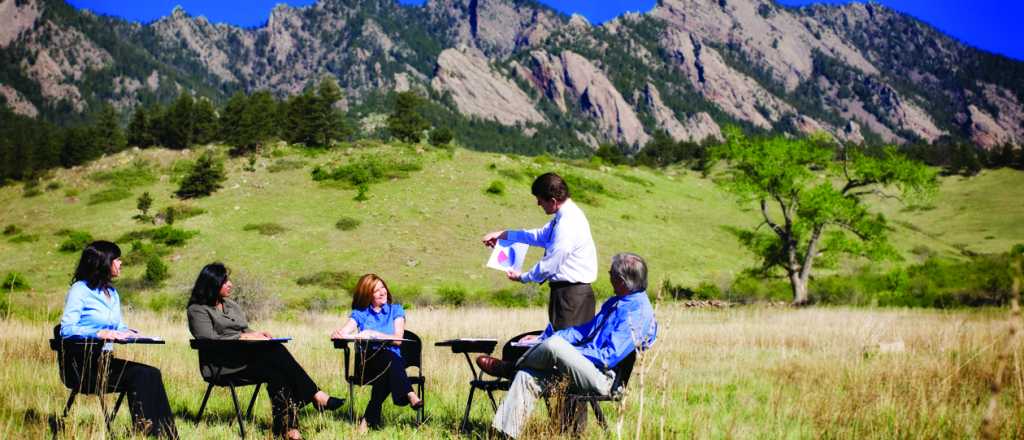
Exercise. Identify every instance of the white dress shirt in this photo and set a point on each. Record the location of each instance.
(569, 251)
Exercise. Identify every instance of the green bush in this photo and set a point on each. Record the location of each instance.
(453, 295)
(139, 173)
(265, 228)
(141, 252)
(331, 280)
(14, 281)
(441, 136)
(12, 230)
(53, 186)
(369, 169)
(204, 177)
(181, 212)
(166, 235)
(109, 195)
(24, 238)
(706, 290)
(75, 241)
(347, 223)
(156, 271)
(496, 187)
(524, 296)
(285, 165)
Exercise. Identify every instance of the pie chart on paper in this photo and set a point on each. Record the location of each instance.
(508, 256)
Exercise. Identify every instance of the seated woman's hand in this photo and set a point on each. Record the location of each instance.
(112, 335)
(253, 336)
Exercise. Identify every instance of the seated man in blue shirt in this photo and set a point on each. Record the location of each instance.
(584, 353)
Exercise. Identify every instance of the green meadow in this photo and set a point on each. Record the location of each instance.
(273, 225)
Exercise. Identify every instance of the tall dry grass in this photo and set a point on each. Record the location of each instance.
(740, 373)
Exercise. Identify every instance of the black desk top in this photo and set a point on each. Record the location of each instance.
(469, 345)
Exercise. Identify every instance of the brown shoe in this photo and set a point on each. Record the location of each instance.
(495, 367)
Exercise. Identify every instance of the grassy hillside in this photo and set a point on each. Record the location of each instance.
(421, 232)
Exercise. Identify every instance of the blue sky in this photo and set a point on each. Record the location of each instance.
(994, 25)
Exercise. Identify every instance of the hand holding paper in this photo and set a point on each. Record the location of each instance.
(508, 256)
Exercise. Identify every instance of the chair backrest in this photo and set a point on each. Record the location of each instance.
(622, 372)
(412, 352)
(511, 353)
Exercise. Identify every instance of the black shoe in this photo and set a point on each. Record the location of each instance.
(333, 403)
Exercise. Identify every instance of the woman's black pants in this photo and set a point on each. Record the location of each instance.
(288, 385)
(385, 372)
(147, 399)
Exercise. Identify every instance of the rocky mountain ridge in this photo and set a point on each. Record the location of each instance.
(859, 71)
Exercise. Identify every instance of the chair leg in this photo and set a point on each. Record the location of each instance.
(469, 405)
(117, 406)
(598, 414)
(494, 402)
(202, 407)
(252, 403)
(238, 411)
(421, 413)
(351, 403)
(71, 400)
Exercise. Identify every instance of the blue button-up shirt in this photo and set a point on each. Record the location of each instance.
(623, 323)
(87, 311)
(382, 321)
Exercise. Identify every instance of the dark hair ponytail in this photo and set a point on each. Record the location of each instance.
(207, 288)
(94, 265)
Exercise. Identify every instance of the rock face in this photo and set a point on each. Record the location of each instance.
(574, 83)
(687, 66)
(16, 18)
(18, 103)
(735, 93)
(697, 127)
(480, 91)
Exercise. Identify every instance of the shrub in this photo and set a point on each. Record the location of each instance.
(369, 169)
(285, 165)
(75, 241)
(138, 173)
(14, 281)
(331, 280)
(166, 235)
(30, 189)
(180, 212)
(347, 223)
(251, 293)
(141, 252)
(156, 271)
(204, 177)
(53, 186)
(321, 302)
(441, 136)
(453, 295)
(24, 238)
(497, 188)
(12, 230)
(143, 203)
(265, 228)
(706, 290)
(109, 195)
(523, 296)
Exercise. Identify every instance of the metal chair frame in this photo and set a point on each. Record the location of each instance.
(509, 353)
(623, 371)
(412, 354)
(76, 385)
(216, 380)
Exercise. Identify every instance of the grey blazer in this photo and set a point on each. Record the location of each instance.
(206, 322)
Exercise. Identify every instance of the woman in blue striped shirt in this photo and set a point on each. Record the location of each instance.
(92, 310)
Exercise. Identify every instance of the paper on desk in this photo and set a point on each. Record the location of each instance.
(526, 344)
(508, 255)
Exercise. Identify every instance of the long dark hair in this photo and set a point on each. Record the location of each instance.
(94, 266)
(208, 284)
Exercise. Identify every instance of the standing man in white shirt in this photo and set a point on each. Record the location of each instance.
(570, 257)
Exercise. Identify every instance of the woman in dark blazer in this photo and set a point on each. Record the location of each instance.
(212, 315)
(92, 309)
(376, 315)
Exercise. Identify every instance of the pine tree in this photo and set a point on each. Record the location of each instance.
(180, 122)
(231, 119)
(108, 130)
(205, 128)
(204, 178)
(139, 131)
(405, 122)
(143, 203)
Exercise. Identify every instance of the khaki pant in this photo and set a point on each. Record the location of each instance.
(535, 366)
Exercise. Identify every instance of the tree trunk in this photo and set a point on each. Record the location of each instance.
(799, 289)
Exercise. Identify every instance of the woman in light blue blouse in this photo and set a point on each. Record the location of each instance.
(375, 315)
(93, 310)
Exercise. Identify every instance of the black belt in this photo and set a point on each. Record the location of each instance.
(564, 284)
